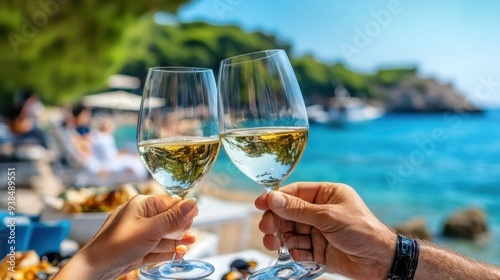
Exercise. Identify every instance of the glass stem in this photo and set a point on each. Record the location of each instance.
(284, 256)
(177, 263)
(178, 258)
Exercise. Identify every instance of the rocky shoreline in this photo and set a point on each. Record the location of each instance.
(426, 96)
(403, 91)
(467, 224)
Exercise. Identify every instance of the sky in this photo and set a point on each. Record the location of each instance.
(456, 42)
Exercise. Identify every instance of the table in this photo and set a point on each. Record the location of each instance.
(222, 263)
(206, 245)
(214, 212)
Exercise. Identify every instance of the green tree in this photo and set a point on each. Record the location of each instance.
(62, 48)
(200, 44)
(392, 77)
(314, 77)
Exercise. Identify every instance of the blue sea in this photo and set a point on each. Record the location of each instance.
(406, 165)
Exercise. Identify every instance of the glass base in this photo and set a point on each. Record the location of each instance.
(293, 270)
(177, 270)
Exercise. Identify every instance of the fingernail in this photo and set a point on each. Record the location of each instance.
(187, 206)
(181, 249)
(278, 200)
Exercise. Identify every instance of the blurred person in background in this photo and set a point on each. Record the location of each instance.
(29, 141)
(76, 134)
(23, 119)
(97, 147)
(33, 107)
(109, 157)
(23, 129)
(81, 118)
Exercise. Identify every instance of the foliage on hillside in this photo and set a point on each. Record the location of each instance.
(66, 49)
(197, 44)
(62, 48)
(200, 44)
(320, 79)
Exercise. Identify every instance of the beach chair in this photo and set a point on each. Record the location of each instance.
(31, 234)
(72, 169)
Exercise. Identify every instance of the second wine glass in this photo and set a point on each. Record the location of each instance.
(264, 129)
(178, 140)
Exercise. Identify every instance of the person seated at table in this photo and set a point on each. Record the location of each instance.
(23, 128)
(28, 140)
(82, 117)
(75, 135)
(33, 107)
(97, 147)
(109, 158)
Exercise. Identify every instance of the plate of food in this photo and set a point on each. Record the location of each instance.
(88, 208)
(29, 265)
(26, 265)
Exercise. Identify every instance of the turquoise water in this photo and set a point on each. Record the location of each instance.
(406, 165)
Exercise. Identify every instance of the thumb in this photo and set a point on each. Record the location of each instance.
(175, 221)
(295, 209)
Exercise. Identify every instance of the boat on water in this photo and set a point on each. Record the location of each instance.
(344, 110)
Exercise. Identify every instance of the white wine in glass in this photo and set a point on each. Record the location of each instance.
(178, 140)
(264, 129)
(179, 162)
(266, 155)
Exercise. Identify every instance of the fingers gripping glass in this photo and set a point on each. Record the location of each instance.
(178, 140)
(264, 129)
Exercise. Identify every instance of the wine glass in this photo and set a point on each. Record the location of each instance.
(178, 141)
(264, 129)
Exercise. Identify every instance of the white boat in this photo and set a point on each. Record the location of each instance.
(344, 110)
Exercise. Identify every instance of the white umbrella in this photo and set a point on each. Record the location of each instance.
(119, 100)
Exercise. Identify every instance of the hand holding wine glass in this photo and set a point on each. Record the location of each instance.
(178, 140)
(264, 129)
(132, 236)
(330, 223)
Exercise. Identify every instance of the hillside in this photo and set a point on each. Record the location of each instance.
(83, 66)
(426, 95)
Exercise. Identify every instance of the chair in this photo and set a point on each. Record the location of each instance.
(17, 235)
(25, 171)
(72, 169)
(31, 234)
(46, 237)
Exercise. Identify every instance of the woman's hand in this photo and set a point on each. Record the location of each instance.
(144, 230)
